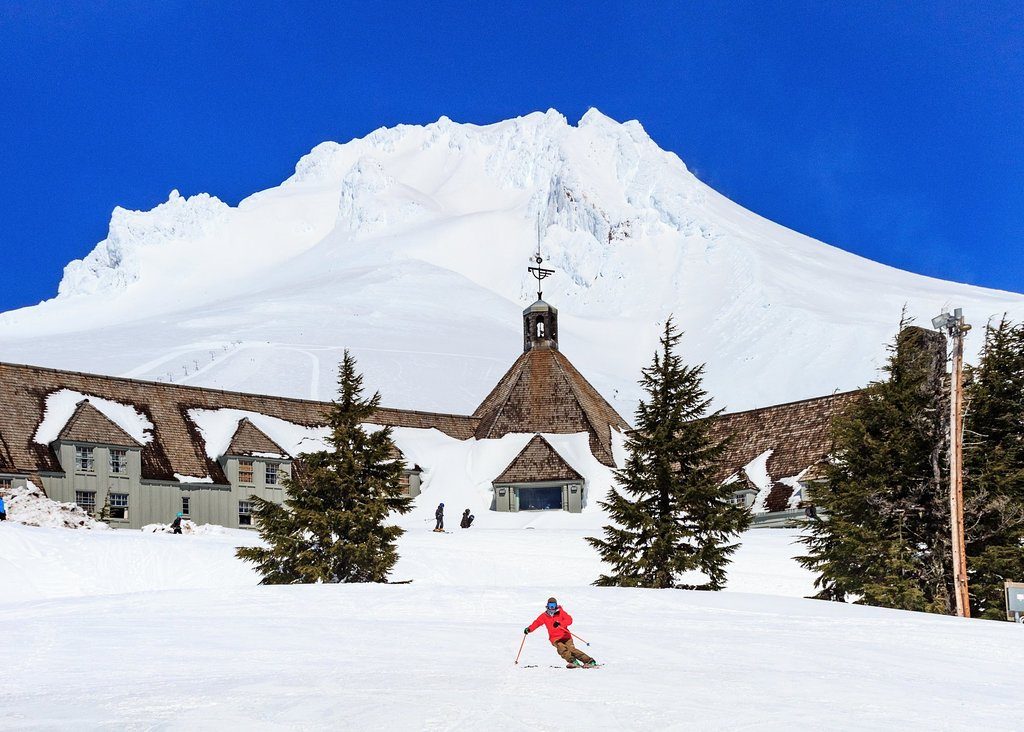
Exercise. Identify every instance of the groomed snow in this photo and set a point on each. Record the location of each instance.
(61, 405)
(192, 643)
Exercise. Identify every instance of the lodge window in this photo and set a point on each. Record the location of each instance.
(118, 461)
(119, 506)
(245, 472)
(245, 513)
(185, 505)
(271, 474)
(740, 499)
(84, 459)
(86, 500)
(5, 484)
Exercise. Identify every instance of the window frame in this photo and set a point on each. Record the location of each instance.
(251, 465)
(121, 463)
(112, 507)
(86, 506)
(6, 484)
(276, 468)
(186, 505)
(247, 513)
(80, 452)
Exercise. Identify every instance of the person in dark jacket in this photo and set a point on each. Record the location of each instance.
(439, 516)
(557, 621)
(3, 510)
(467, 520)
(176, 524)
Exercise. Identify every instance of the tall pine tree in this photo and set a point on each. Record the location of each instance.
(886, 540)
(994, 468)
(671, 511)
(333, 526)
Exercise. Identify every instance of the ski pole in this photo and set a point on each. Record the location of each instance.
(523, 643)
(578, 638)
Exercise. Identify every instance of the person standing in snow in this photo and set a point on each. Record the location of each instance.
(467, 520)
(3, 510)
(439, 516)
(557, 621)
(176, 524)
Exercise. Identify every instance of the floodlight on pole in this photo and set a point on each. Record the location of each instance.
(954, 327)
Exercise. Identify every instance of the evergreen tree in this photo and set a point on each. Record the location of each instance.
(332, 527)
(886, 540)
(994, 468)
(671, 511)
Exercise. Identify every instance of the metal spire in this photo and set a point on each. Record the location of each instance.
(538, 271)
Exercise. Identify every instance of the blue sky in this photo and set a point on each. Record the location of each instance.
(893, 130)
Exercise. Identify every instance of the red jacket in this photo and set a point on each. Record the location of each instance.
(561, 617)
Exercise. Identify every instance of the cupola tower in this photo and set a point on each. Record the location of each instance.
(540, 320)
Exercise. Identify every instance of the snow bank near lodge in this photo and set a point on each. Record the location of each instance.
(28, 505)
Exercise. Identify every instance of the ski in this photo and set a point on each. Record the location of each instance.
(567, 668)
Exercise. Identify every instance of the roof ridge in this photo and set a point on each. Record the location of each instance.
(211, 390)
(833, 395)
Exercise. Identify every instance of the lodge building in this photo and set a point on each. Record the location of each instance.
(135, 452)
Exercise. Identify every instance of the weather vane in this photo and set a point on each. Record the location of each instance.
(538, 271)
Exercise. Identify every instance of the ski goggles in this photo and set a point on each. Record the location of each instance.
(552, 606)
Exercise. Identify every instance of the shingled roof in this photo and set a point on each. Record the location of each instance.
(251, 440)
(543, 392)
(537, 462)
(177, 445)
(799, 434)
(88, 424)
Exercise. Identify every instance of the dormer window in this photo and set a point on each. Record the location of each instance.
(84, 459)
(118, 461)
(245, 472)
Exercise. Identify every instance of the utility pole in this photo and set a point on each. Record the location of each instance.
(955, 329)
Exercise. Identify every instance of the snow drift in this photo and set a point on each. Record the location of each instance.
(28, 505)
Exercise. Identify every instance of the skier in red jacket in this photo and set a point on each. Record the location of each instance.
(557, 621)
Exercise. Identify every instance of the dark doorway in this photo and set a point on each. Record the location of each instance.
(540, 499)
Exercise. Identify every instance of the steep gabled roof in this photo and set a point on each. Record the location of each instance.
(88, 424)
(251, 440)
(537, 462)
(543, 392)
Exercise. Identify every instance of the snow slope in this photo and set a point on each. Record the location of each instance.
(210, 650)
(409, 246)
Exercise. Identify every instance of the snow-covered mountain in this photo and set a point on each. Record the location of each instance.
(410, 248)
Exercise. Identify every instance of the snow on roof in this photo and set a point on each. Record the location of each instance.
(218, 426)
(61, 405)
(757, 472)
(192, 479)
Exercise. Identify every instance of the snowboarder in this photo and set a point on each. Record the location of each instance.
(439, 516)
(467, 520)
(3, 510)
(557, 621)
(176, 524)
